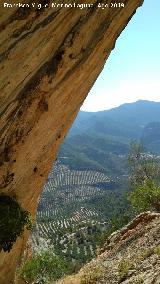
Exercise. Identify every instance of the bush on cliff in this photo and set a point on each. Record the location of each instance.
(43, 267)
(13, 220)
(144, 179)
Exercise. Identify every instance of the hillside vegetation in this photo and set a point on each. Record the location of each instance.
(85, 197)
(76, 211)
(130, 256)
(101, 140)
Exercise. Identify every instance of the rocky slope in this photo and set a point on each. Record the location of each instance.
(130, 256)
(50, 58)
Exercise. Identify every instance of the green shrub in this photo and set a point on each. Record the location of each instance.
(146, 197)
(45, 266)
(145, 253)
(123, 269)
(91, 276)
(157, 250)
(13, 220)
(139, 280)
(144, 179)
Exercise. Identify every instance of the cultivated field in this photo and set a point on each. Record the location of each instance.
(66, 218)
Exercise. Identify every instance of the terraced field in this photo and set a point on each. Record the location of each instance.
(66, 218)
(66, 189)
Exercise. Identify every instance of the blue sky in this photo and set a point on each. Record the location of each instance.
(132, 71)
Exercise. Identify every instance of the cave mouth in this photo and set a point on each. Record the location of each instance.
(82, 173)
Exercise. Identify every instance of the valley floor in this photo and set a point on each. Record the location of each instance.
(75, 212)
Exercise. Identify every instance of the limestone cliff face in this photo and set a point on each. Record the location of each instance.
(50, 58)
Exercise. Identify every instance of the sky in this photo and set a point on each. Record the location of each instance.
(132, 71)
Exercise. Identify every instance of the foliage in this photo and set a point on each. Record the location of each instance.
(139, 280)
(91, 276)
(144, 179)
(13, 220)
(157, 250)
(146, 197)
(79, 241)
(123, 269)
(45, 266)
(145, 253)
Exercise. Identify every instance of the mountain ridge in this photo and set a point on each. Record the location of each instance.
(95, 137)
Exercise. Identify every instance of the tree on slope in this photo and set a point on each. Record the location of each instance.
(144, 179)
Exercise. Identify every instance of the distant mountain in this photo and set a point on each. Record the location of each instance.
(131, 116)
(100, 140)
(136, 114)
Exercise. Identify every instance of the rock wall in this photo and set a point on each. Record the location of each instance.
(49, 60)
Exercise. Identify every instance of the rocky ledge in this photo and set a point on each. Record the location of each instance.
(130, 256)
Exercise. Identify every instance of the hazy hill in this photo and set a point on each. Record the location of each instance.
(100, 140)
(139, 113)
